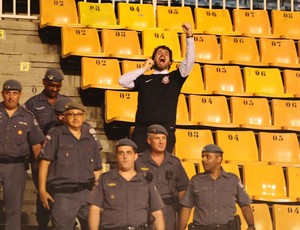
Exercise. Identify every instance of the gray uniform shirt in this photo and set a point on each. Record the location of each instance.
(169, 178)
(214, 200)
(125, 203)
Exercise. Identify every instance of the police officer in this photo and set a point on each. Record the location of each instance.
(214, 194)
(42, 106)
(123, 197)
(169, 176)
(69, 165)
(19, 132)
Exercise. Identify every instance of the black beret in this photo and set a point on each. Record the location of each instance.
(211, 148)
(54, 75)
(12, 85)
(157, 129)
(126, 142)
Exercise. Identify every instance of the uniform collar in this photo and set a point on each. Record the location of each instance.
(147, 157)
(84, 134)
(20, 111)
(116, 175)
(161, 72)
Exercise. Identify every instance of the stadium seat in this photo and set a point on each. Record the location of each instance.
(129, 65)
(264, 82)
(206, 47)
(151, 38)
(224, 79)
(231, 167)
(254, 23)
(194, 83)
(97, 15)
(233, 144)
(262, 216)
(251, 113)
(279, 52)
(100, 73)
(279, 148)
(292, 181)
(172, 17)
(182, 115)
(190, 168)
(210, 111)
(286, 216)
(286, 114)
(58, 13)
(136, 16)
(80, 42)
(190, 142)
(291, 79)
(120, 106)
(240, 50)
(213, 21)
(286, 24)
(265, 183)
(121, 44)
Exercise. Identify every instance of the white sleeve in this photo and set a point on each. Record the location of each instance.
(187, 64)
(127, 80)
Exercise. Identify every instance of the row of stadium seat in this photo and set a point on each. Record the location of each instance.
(141, 16)
(240, 146)
(231, 80)
(231, 49)
(213, 111)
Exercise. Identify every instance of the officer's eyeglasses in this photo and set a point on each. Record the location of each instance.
(74, 114)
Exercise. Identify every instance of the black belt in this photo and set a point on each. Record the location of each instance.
(141, 227)
(12, 160)
(168, 201)
(70, 188)
(210, 227)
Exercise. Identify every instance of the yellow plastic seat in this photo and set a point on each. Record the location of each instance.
(265, 183)
(209, 111)
(251, 113)
(232, 168)
(190, 168)
(129, 65)
(80, 42)
(194, 83)
(100, 73)
(151, 38)
(172, 17)
(286, 114)
(233, 144)
(120, 106)
(262, 216)
(97, 15)
(207, 48)
(121, 44)
(265, 82)
(224, 79)
(292, 181)
(279, 52)
(182, 114)
(286, 216)
(190, 142)
(214, 21)
(279, 148)
(254, 23)
(136, 16)
(286, 24)
(240, 50)
(291, 79)
(58, 13)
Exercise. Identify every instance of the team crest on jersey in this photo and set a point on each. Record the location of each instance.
(165, 80)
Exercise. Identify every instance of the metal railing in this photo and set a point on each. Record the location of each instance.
(18, 9)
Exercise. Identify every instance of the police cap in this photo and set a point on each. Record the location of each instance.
(126, 142)
(74, 105)
(157, 129)
(12, 85)
(59, 105)
(54, 75)
(211, 148)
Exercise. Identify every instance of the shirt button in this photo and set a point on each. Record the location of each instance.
(215, 210)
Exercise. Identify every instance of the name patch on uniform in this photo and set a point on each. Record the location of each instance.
(111, 184)
(40, 108)
(23, 123)
(144, 169)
